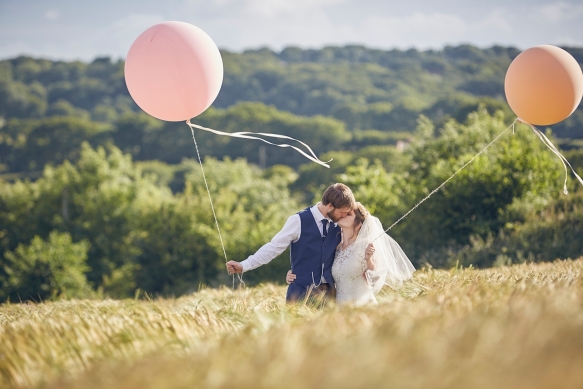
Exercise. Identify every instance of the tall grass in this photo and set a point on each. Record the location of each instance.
(512, 327)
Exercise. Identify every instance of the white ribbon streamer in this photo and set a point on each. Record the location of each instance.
(547, 142)
(255, 135)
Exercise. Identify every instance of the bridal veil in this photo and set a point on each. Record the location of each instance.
(392, 266)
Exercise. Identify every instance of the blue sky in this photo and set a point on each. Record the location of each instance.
(75, 29)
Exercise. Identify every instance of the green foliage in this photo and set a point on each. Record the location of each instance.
(375, 95)
(396, 124)
(517, 166)
(46, 269)
(320, 133)
(379, 191)
(313, 180)
(476, 202)
(364, 87)
(140, 235)
(94, 200)
(250, 208)
(27, 145)
(545, 234)
(21, 100)
(30, 144)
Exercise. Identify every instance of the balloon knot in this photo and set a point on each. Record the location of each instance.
(566, 192)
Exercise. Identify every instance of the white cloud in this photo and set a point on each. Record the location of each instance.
(52, 14)
(110, 27)
(569, 40)
(118, 36)
(273, 8)
(418, 29)
(113, 39)
(556, 13)
(317, 28)
(133, 24)
(500, 19)
(275, 24)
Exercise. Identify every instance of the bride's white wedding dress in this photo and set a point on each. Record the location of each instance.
(357, 285)
(348, 271)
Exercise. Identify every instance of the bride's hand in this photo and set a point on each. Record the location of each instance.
(369, 261)
(369, 251)
(290, 277)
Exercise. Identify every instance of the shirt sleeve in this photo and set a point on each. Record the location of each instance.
(289, 233)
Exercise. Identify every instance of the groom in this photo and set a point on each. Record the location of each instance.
(313, 236)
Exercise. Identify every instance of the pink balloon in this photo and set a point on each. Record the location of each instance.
(174, 71)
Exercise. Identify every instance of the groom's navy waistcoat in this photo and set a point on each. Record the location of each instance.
(312, 256)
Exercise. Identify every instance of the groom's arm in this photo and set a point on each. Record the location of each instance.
(288, 234)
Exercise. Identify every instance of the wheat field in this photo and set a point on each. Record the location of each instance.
(519, 326)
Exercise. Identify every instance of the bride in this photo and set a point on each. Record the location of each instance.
(365, 260)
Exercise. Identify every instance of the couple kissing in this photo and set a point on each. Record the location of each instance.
(338, 251)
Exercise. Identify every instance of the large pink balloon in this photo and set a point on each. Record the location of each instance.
(174, 71)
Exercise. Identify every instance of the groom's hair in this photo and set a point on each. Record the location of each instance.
(339, 196)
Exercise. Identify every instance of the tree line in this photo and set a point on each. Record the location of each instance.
(107, 224)
(382, 91)
(98, 198)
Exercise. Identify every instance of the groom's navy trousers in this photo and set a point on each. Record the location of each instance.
(312, 256)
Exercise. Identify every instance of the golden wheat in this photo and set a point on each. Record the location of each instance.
(514, 327)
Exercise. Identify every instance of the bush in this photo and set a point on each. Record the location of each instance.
(545, 235)
(46, 269)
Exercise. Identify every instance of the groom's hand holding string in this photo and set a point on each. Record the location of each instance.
(234, 267)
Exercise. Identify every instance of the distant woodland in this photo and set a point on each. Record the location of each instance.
(96, 196)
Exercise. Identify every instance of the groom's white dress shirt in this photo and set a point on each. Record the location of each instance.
(290, 233)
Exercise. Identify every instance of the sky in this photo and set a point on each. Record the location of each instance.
(84, 30)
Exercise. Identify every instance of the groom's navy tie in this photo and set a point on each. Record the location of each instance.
(324, 227)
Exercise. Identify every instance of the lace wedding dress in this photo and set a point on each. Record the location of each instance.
(348, 271)
(357, 285)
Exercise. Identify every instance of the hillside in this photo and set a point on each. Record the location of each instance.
(92, 185)
(368, 97)
(335, 99)
(505, 327)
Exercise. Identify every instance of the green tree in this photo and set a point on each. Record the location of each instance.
(98, 200)
(250, 209)
(31, 144)
(541, 233)
(46, 269)
(476, 202)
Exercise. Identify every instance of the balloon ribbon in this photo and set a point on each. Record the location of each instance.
(256, 136)
(547, 142)
(247, 135)
(213, 207)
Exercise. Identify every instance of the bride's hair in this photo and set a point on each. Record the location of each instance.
(360, 213)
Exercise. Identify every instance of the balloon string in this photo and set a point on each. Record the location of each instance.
(212, 206)
(446, 181)
(547, 142)
(255, 135)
